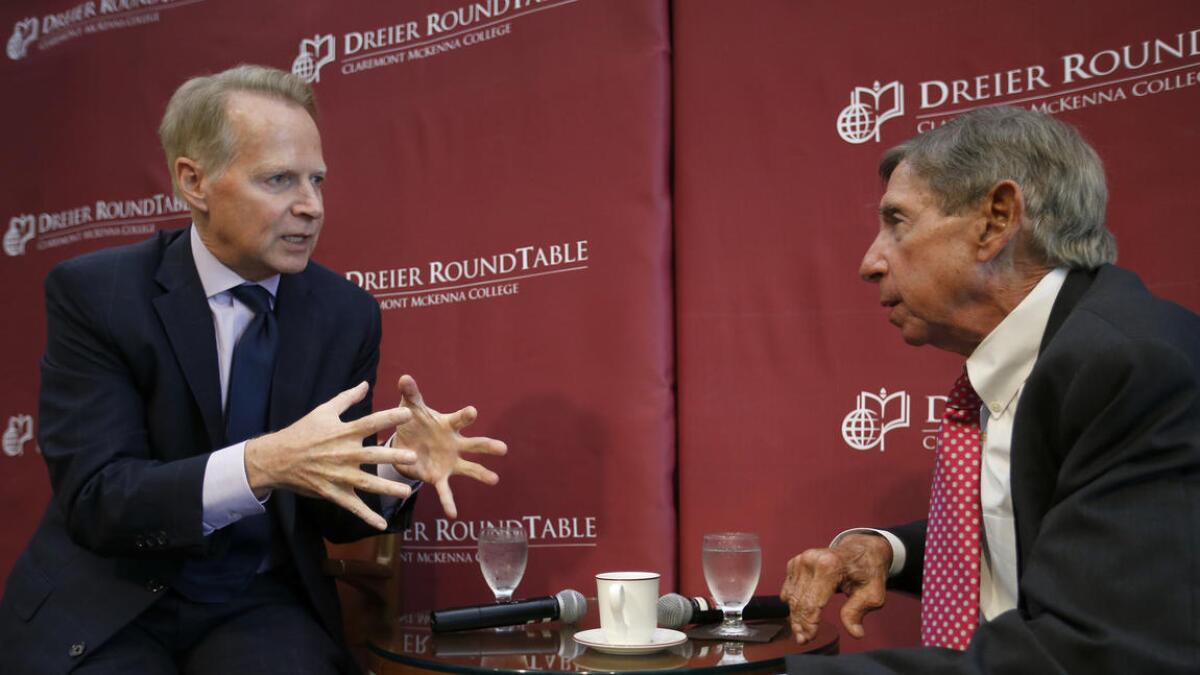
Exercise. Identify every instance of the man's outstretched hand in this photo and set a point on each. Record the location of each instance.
(439, 446)
(321, 456)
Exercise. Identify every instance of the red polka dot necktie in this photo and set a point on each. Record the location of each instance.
(950, 580)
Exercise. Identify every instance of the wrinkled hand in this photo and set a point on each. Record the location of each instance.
(857, 566)
(438, 445)
(319, 456)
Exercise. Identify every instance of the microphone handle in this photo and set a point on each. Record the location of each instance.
(759, 607)
(766, 607)
(707, 616)
(704, 611)
(490, 616)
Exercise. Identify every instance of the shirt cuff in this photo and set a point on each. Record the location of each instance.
(387, 503)
(898, 552)
(389, 472)
(226, 496)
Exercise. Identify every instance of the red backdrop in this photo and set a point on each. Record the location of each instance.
(626, 230)
(781, 346)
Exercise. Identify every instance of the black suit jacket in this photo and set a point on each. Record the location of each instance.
(130, 409)
(1105, 479)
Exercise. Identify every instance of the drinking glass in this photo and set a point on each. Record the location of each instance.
(502, 555)
(732, 562)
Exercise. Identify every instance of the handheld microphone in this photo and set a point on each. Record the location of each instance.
(675, 610)
(568, 606)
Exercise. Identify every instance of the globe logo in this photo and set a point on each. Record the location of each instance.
(24, 33)
(20, 230)
(315, 52)
(304, 68)
(859, 122)
(860, 429)
(874, 415)
(17, 434)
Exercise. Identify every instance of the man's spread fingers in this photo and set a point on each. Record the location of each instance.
(476, 471)
(484, 446)
(383, 486)
(379, 454)
(409, 391)
(354, 505)
(380, 421)
(349, 397)
(446, 495)
(462, 419)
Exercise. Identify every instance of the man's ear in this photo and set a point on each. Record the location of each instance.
(1003, 213)
(192, 183)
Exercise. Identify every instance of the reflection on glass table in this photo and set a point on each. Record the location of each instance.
(407, 646)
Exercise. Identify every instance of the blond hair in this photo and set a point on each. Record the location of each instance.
(195, 124)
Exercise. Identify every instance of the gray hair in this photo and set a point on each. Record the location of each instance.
(195, 124)
(1060, 175)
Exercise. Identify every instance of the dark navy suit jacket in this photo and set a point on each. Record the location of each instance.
(130, 408)
(1105, 479)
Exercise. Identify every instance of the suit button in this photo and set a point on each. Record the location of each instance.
(77, 649)
(155, 586)
(140, 543)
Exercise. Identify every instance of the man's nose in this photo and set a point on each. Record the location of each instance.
(873, 265)
(309, 204)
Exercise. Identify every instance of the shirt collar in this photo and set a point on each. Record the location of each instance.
(1001, 363)
(215, 276)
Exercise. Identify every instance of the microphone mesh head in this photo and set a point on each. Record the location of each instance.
(674, 610)
(571, 605)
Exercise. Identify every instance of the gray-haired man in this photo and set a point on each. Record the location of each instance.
(1062, 532)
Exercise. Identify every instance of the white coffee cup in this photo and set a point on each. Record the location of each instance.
(628, 606)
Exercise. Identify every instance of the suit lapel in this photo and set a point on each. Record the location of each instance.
(184, 312)
(299, 345)
(295, 366)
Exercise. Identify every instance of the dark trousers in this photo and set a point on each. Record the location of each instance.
(267, 629)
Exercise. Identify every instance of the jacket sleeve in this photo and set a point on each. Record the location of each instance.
(912, 535)
(116, 495)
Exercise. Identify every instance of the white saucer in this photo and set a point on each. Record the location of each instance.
(662, 638)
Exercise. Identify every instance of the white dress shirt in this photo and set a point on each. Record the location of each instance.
(226, 493)
(998, 369)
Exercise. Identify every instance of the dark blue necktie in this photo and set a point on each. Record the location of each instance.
(219, 579)
(252, 367)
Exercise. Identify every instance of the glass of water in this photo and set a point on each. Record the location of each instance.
(502, 555)
(732, 562)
